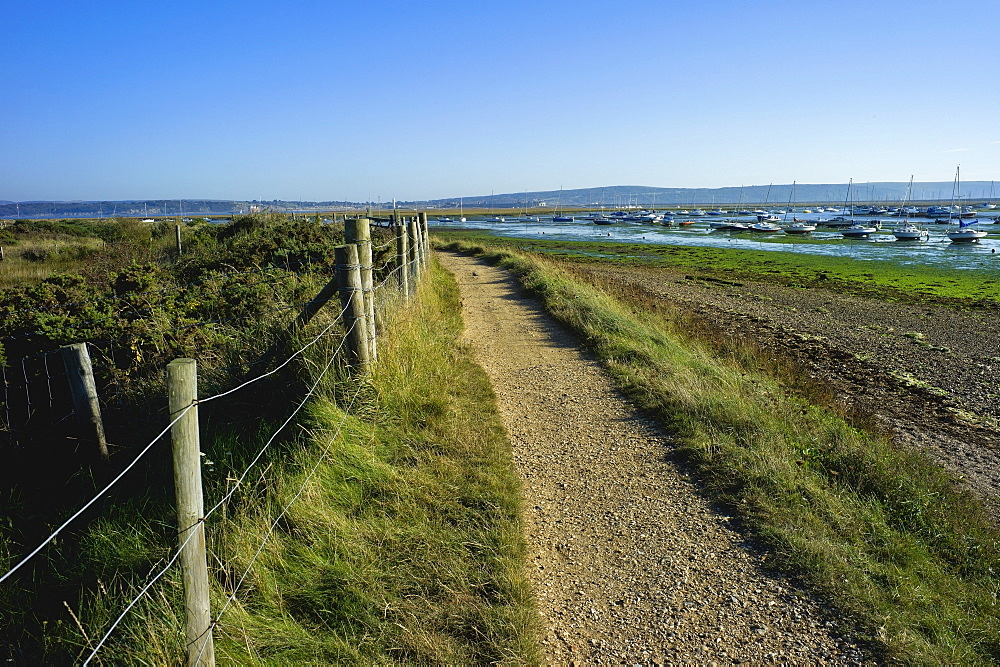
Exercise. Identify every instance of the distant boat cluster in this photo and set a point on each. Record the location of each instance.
(851, 222)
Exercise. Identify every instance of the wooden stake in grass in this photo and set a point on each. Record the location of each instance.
(182, 387)
(425, 244)
(358, 232)
(352, 300)
(414, 253)
(402, 257)
(83, 391)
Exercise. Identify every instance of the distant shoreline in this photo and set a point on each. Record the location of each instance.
(884, 193)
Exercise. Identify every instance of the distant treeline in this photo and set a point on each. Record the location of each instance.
(153, 208)
(125, 209)
(619, 196)
(615, 196)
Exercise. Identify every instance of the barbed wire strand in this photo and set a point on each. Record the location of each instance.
(98, 496)
(147, 448)
(26, 385)
(283, 364)
(48, 379)
(96, 345)
(138, 597)
(384, 265)
(284, 510)
(389, 275)
(391, 242)
(27, 395)
(36, 355)
(233, 489)
(203, 519)
(270, 441)
(6, 396)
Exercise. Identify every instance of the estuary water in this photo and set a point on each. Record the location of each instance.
(938, 250)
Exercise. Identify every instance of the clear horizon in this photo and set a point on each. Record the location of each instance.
(308, 101)
(943, 190)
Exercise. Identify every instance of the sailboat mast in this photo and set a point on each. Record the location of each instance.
(791, 200)
(847, 198)
(909, 191)
(954, 192)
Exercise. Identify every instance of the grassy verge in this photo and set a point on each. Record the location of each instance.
(402, 542)
(965, 288)
(881, 533)
(406, 545)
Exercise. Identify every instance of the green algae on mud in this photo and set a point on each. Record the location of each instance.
(887, 279)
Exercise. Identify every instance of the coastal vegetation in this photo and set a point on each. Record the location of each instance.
(889, 540)
(403, 542)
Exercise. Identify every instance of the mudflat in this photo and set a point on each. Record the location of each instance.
(928, 375)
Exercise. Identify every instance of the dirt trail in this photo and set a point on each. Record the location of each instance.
(627, 560)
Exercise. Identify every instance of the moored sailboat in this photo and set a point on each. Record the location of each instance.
(907, 231)
(856, 230)
(800, 227)
(797, 226)
(967, 231)
(910, 232)
(559, 216)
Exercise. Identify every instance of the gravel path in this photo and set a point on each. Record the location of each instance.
(628, 562)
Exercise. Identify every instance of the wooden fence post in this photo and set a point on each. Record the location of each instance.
(415, 244)
(182, 388)
(177, 231)
(83, 391)
(425, 238)
(353, 302)
(358, 232)
(402, 257)
(414, 254)
(423, 243)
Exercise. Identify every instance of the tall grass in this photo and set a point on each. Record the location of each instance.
(402, 541)
(406, 545)
(884, 535)
(32, 260)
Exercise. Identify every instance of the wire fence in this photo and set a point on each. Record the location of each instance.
(344, 339)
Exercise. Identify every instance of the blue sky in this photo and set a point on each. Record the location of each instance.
(374, 100)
